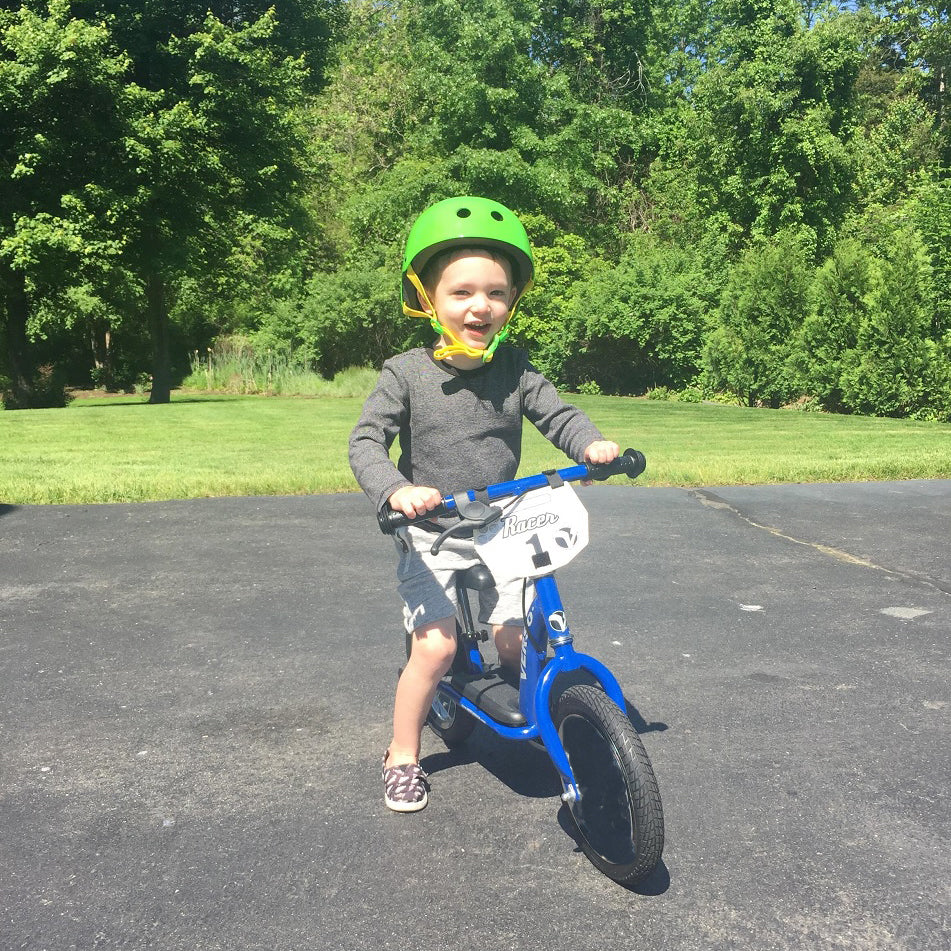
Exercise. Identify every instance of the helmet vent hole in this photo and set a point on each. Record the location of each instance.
(463, 213)
(497, 215)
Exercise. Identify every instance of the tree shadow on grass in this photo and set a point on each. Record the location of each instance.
(139, 401)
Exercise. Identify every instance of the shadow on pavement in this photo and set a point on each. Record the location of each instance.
(521, 766)
(640, 724)
(655, 884)
(7, 509)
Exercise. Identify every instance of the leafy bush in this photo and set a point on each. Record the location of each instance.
(690, 394)
(562, 260)
(930, 209)
(342, 319)
(47, 390)
(763, 304)
(638, 325)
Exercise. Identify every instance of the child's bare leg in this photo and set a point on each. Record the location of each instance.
(508, 642)
(434, 646)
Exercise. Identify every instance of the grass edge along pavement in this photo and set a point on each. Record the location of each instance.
(206, 445)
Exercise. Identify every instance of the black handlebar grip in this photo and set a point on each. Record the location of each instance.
(630, 463)
(390, 520)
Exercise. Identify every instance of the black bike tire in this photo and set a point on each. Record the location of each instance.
(452, 731)
(635, 780)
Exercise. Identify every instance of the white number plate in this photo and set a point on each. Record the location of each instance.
(537, 534)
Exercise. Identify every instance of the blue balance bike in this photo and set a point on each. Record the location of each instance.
(564, 701)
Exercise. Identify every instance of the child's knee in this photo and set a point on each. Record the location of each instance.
(435, 645)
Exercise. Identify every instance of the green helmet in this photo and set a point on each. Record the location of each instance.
(465, 222)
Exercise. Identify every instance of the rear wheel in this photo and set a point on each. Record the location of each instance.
(449, 721)
(619, 816)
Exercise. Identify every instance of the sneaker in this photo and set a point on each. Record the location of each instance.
(405, 787)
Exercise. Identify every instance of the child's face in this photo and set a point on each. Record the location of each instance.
(472, 297)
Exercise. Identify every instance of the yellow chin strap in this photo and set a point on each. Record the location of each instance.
(456, 347)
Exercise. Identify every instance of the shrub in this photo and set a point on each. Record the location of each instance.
(895, 368)
(690, 394)
(47, 390)
(830, 331)
(343, 318)
(763, 304)
(638, 325)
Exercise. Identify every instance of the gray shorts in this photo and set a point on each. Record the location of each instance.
(426, 581)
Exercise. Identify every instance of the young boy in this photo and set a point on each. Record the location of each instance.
(457, 408)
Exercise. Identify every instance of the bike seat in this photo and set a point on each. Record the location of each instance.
(478, 577)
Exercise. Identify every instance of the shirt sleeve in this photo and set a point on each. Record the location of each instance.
(564, 425)
(384, 413)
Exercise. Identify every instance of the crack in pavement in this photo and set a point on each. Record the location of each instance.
(712, 500)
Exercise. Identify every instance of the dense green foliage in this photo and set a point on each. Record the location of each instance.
(732, 199)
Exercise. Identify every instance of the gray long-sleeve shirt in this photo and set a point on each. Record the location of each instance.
(458, 429)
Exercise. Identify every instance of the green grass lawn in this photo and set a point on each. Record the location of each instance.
(119, 450)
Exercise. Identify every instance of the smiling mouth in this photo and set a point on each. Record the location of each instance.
(479, 328)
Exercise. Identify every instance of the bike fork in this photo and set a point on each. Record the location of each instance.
(546, 624)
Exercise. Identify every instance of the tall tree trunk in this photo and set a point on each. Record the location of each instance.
(157, 305)
(16, 343)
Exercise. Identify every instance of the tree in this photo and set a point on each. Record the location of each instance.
(828, 337)
(914, 39)
(930, 208)
(770, 119)
(219, 141)
(64, 122)
(897, 368)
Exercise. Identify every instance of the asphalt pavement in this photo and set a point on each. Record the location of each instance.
(195, 698)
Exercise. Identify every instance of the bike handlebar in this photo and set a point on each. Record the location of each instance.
(630, 463)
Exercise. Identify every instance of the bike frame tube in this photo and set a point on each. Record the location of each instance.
(546, 622)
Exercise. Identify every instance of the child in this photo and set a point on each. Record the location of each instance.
(457, 408)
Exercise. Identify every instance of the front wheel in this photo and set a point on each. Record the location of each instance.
(618, 815)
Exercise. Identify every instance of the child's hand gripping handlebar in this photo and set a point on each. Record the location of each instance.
(630, 463)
